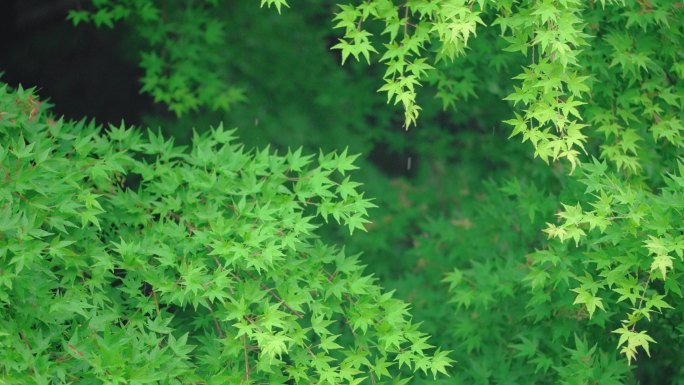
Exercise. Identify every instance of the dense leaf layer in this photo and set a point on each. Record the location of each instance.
(126, 259)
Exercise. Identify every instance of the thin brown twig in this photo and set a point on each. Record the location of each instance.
(643, 295)
(244, 351)
(23, 198)
(275, 296)
(217, 326)
(23, 338)
(156, 302)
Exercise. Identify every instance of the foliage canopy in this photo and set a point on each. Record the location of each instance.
(216, 258)
(127, 259)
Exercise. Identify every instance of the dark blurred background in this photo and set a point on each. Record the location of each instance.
(84, 71)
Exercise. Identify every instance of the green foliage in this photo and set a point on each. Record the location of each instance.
(127, 259)
(182, 60)
(529, 272)
(575, 52)
(614, 66)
